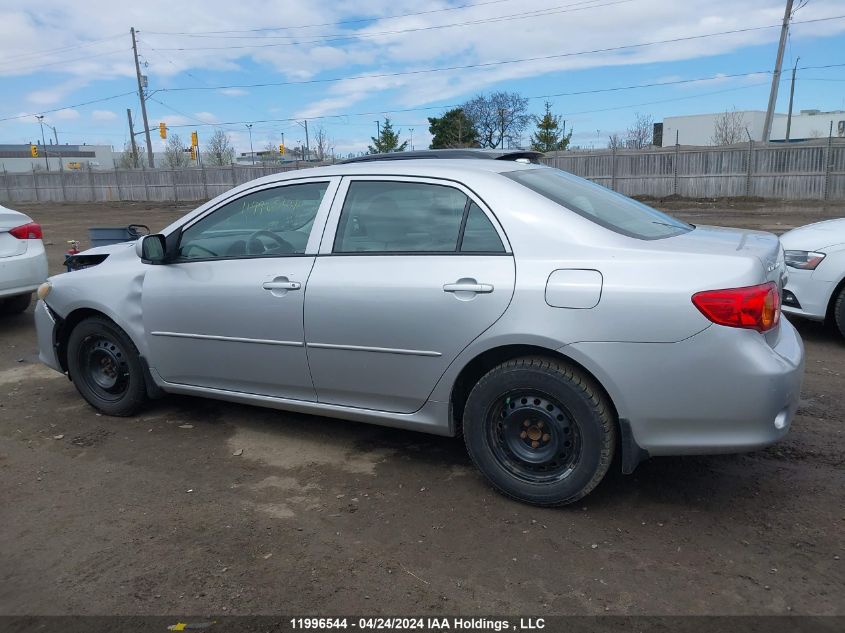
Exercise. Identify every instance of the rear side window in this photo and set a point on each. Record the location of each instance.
(400, 217)
(603, 206)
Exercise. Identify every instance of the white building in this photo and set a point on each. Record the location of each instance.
(18, 158)
(697, 129)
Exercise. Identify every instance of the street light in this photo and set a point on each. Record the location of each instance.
(251, 152)
(412, 139)
(40, 118)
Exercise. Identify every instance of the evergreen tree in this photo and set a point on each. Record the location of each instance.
(387, 141)
(453, 129)
(549, 137)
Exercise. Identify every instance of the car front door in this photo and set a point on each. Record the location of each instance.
(410, 272)
(227, 313)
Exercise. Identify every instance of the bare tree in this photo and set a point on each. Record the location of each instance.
(128, 160)
(175, 155)
(728, 128)
(322, 143)
(639, 135)
(270, 153)
(219, 150)
(613, 141)
(499, 117)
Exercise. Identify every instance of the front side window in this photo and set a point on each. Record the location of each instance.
(400, 217)
(268, 223)
(603, 206)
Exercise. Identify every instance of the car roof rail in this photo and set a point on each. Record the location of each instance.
(469, 152)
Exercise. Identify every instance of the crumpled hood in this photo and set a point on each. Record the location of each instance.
(110, 249)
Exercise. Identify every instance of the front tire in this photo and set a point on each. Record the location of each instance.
(105, 367)
(16, 304)
(540, 431)
(839, 312)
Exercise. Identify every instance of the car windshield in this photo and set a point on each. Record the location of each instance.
(603, 206)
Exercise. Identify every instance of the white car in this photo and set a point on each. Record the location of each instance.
(815, 256)
(23, 262)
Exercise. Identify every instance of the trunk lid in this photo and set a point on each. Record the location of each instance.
(765, 247)
(10, 245)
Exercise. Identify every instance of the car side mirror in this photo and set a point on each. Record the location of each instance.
(152, 249)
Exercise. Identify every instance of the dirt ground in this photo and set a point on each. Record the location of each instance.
(155, 514)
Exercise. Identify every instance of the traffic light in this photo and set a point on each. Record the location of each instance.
(193, 153)
(162, 130)
(33, 150)
(282, 149)
(194, 139)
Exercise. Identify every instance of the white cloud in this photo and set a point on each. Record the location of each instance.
(103, 115)
(233, 92)
(67, 114)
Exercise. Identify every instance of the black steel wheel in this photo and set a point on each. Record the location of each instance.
(105, 367)
(533, 436)
(540, 431)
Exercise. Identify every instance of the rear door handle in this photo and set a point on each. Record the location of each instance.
(468, 287)
(281, 285)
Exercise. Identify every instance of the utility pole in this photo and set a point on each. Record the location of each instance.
(40, 118)
(251, 152)
(412, 139)
(132, 137)
(378, 129)
(502, 123)
(773, 93)
(143, 100)
(791, 95)
(307, 144)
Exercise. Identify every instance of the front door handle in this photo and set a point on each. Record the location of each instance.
(468, 286)
(281, 285)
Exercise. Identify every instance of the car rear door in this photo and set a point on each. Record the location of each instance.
(410, 271)
(228, 313)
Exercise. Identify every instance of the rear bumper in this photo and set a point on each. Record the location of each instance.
(45, 328)
(22, 274)
(723, 390)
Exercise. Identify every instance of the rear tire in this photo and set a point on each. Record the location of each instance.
(839, 312)
(16, 304)
(540, 431)
(105, 367)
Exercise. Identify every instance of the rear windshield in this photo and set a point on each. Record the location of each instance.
(603, 206)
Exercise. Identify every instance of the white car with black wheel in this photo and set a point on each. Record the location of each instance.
(815, 257)
(23, 261)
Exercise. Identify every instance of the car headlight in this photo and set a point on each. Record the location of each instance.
(804, 260)
(44, 289)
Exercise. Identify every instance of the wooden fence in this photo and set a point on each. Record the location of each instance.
(810, 170)
(158, 185)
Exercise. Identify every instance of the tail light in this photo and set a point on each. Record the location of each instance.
(31, 231)
(751, 307)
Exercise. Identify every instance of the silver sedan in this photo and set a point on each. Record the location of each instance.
(550, 322)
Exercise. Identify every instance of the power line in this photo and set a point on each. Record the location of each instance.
(455, 105)
(60, 62)
(67, 107)
(488, 64)
(61, 49)
(339, 38)
(341, 22)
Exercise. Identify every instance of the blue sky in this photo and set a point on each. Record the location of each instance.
(65, 54)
